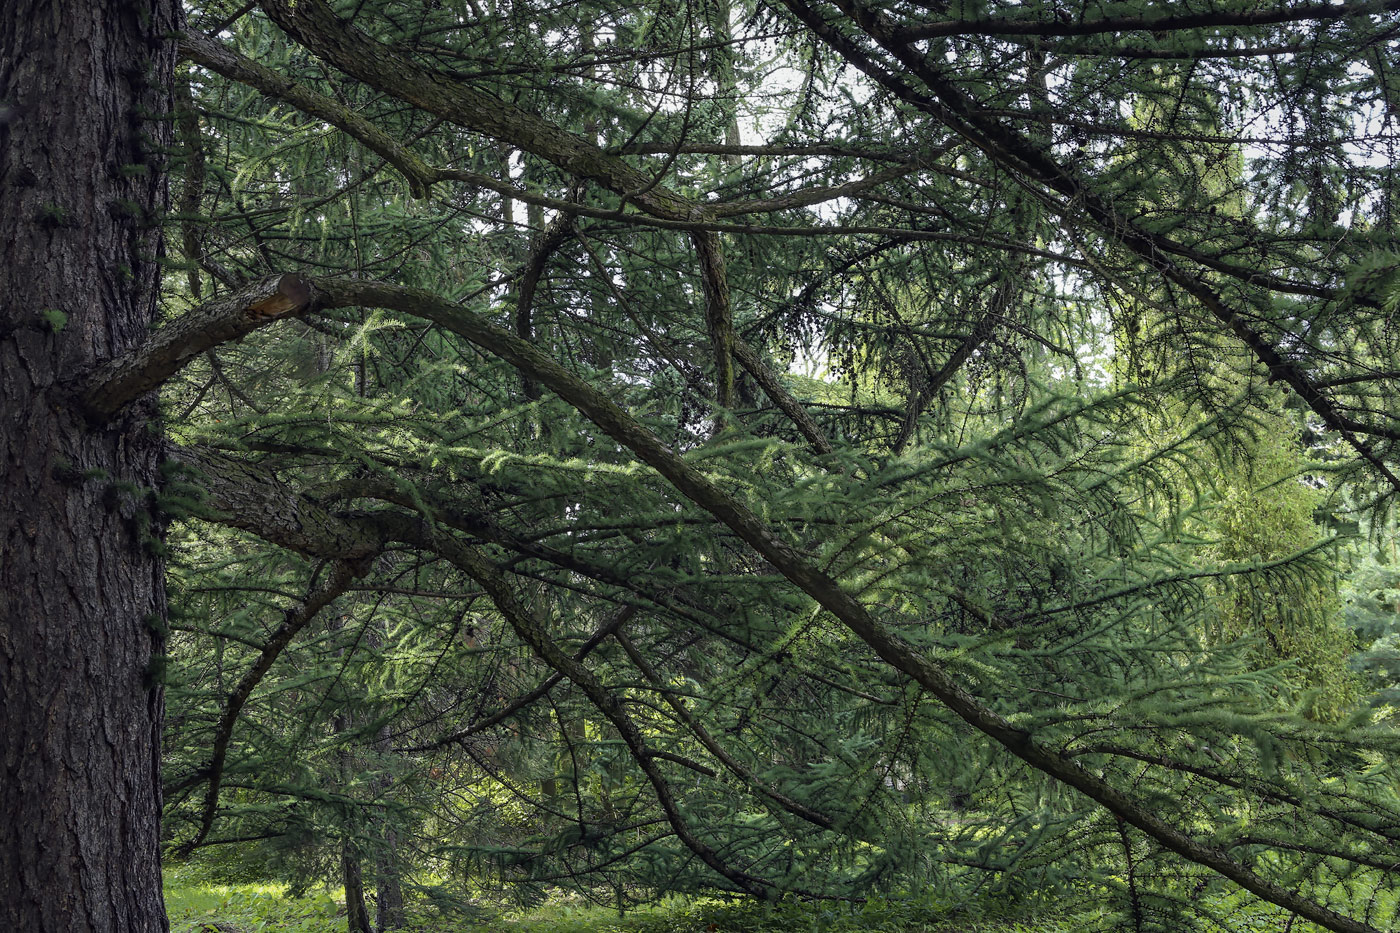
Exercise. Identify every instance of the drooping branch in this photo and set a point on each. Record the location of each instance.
(219, 58)
(826, 591)
(1152, 22)
(536, 635)
(934, 384)
(192, 188)
(807, 197)
(1010, 283)
(302, 526)
(421, 176)
(428, 503)
(532, 696)
(545, 246)
(336, 582)
(949, 105)
(121, 381)
(780, 396)
(687, 147)
(697, 729)
(745, 354)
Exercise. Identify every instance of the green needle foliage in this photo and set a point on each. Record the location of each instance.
(972, 309)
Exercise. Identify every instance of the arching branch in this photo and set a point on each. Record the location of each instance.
(342, 574)
(123, 380)
(827, 592)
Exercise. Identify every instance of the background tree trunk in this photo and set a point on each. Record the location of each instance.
(84, 91)
(356, 914)
(388, 892)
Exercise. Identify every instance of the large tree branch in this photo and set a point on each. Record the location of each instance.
(1152, 22)
(243, 495)
(123, 380)
(421, 176)
(825, 590)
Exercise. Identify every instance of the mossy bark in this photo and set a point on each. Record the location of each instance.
(84, 106)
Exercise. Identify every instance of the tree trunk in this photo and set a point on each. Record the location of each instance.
(84, 91)
(356, 915)
(352, 875)
(388, 892)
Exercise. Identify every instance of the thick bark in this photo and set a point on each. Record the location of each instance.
(84, 91)
(241, 495)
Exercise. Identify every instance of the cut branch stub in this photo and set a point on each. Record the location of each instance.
(291, 294)
(118, 382)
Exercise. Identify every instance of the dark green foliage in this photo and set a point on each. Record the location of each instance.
(1055, 467)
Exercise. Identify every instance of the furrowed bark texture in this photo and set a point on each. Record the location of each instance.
(84, 96)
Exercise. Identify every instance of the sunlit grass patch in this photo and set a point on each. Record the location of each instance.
(197, 906)
(249, 908)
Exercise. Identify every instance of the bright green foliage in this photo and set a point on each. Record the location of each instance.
(1371, 595)
(202, 908)
(1267, 514)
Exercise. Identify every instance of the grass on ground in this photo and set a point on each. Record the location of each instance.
(198, 907)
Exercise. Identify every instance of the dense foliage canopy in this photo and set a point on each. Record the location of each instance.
(808, 448)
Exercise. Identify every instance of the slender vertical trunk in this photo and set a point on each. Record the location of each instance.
(388, 893)
(84, 95)
(356, 915)
(351, 873)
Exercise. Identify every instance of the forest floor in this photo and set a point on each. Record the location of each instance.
(196, 907)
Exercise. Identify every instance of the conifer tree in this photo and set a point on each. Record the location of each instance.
(507, 546)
